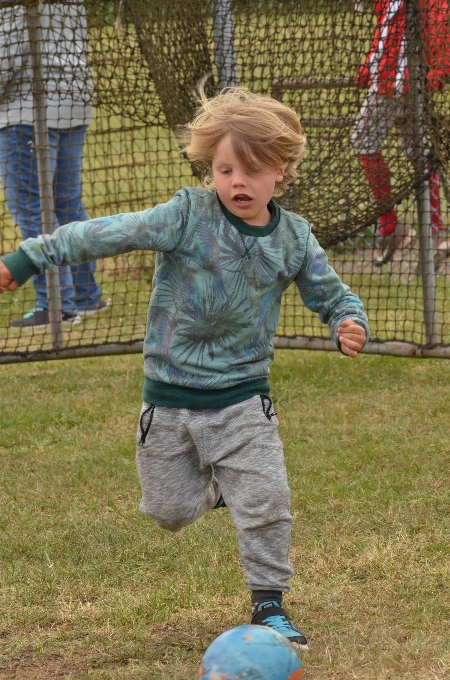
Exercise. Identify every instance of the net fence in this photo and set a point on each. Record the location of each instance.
(92, 93)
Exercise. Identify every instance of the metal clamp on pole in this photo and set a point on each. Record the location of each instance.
(418, 109)
(42, 147)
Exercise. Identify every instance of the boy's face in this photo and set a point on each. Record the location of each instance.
(245, 194)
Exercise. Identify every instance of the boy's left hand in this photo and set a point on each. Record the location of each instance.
(352, 337)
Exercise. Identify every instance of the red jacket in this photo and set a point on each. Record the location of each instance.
(385, 68)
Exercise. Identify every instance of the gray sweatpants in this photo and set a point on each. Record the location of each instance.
(186, 458)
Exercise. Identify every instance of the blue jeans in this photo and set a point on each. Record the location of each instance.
(18, 173)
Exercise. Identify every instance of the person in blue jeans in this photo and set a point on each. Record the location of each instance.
(80, 293)
(69, 87)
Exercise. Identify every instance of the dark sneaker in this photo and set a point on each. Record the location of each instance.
(99, 307)
(38, 318)
(271, 614)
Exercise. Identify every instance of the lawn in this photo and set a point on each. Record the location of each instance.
(90, 589)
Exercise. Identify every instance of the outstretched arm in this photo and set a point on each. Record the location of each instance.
(160, 228)
(7, 281)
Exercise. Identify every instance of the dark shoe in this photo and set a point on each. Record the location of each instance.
(99, 307)
(385, 246)
(271, 614)
(38, 318)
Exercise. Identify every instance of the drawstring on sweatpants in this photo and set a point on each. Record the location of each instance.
(267, 406)
(144, 429)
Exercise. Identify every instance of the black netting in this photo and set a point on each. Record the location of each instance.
(368, 81)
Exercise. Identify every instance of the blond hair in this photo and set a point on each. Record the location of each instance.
(258, 126)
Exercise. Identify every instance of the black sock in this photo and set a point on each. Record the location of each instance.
(259, 596)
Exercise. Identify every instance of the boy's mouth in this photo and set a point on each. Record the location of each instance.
(242, 199)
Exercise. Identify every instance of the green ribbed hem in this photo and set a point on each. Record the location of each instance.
(20, 266)
(175, 396)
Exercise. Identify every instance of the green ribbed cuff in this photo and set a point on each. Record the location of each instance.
(20, 266)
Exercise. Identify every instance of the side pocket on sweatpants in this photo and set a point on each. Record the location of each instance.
(145, 422)
(267, 406)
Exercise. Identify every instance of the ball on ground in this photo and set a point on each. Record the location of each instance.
(251, 653)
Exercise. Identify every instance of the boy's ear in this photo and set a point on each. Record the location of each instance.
(281, 171)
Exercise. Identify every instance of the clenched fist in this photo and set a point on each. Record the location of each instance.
(6, 280)
(352, 337)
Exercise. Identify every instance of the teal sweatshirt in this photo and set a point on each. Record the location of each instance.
(216, 294)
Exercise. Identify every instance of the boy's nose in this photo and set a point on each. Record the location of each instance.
(238, 180)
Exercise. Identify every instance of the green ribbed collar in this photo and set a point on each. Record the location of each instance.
(248, 229)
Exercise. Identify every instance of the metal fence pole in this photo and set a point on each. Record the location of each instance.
(418, 95)
(224, 44)
(42, 148)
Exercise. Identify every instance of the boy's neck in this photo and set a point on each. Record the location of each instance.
(265, 221)
(269, 216)
(273, 212)
(255, 226)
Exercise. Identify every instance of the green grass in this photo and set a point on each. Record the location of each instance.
(90, 589)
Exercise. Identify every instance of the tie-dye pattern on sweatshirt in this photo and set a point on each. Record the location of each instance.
(217, 286)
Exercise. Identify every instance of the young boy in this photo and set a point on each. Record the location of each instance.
(207, 434)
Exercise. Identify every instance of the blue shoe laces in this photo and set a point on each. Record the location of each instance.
(279, 622)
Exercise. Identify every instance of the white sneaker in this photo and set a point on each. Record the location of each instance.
(441, 248)
(385, 246)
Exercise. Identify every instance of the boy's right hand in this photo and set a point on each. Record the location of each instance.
(6, 280)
